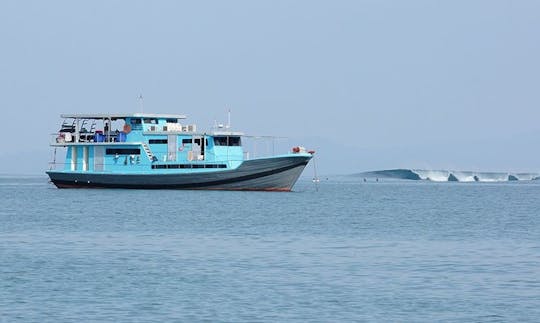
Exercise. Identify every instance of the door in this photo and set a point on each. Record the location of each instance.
(172, 147)
(98, 159)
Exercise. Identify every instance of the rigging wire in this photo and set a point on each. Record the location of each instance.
(53, 163)
(315, 176)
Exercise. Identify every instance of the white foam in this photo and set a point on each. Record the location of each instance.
(464, 177)
(525, 176)
(433, 175)
(470, 176)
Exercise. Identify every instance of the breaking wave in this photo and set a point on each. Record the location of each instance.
(449, 175)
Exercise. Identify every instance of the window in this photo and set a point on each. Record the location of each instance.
(171, 120)
(122, 151)
(197, 141)
(215, 166)
(234, 141)
(135, 121)
(151, 121)
(157, 141)
(176, 166)
(227, 141)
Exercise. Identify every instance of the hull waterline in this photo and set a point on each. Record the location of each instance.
(269, 174)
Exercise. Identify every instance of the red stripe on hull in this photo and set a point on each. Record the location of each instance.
(270, 189)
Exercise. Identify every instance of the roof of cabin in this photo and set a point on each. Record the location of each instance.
(115, 116)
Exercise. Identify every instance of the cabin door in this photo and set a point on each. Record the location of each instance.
(172, 147)
(197, 147)
(98, 158)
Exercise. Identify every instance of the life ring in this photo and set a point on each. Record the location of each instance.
(127, 128)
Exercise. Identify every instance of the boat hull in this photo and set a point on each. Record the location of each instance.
(268, 174)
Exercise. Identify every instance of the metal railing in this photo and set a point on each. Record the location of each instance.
(97, 136)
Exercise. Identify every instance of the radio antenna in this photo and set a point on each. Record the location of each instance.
(141, 102)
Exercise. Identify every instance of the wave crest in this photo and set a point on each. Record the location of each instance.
(449, 175)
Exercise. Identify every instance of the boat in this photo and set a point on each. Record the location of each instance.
(160, 151)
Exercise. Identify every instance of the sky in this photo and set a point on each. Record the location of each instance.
(368, 84)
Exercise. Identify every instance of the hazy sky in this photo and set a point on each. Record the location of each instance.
(368, 84)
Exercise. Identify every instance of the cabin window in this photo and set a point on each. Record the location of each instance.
(171, 120)
(123, 151)
(150, 120)
(227, 141)
(197, 141)
(235, 141)
(157, 141)
(176, 166)
(136, 121)
(215, 166)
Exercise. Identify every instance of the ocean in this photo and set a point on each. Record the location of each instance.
(386, 251)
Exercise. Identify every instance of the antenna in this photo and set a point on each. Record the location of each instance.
(141, 102)
(229, 119)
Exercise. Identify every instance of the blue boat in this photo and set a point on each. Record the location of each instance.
(159, 151)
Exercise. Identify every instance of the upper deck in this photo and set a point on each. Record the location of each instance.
(116, 116)
(114, 128)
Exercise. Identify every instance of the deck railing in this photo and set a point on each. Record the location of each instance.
(97, 136)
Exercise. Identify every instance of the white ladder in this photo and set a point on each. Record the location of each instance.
(148, 151)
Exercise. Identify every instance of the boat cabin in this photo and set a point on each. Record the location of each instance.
(140, 143)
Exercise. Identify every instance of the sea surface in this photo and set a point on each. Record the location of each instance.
(387, 251)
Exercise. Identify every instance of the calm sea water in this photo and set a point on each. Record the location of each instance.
(351, 251)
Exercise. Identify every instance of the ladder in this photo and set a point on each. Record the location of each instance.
(148, 152)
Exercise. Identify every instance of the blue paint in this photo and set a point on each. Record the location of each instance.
(133, 144)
